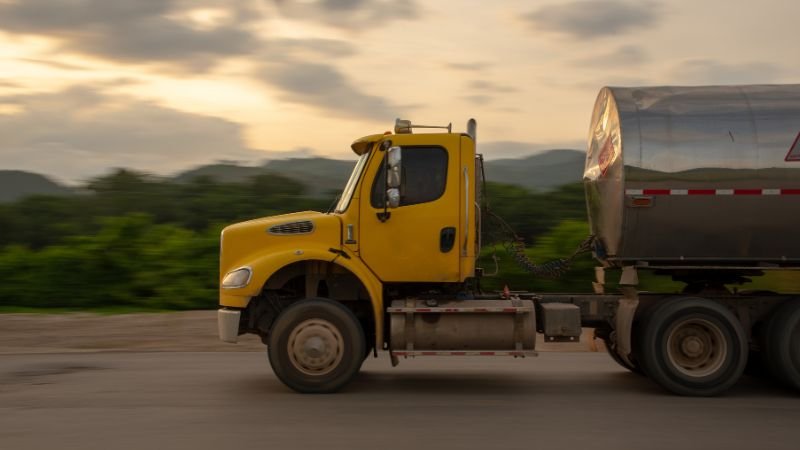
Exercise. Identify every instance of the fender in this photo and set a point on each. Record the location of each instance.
(265, 265)
(626, 310)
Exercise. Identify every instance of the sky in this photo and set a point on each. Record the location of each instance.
(166, 85)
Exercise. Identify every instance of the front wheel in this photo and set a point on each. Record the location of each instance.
(693, 346)
(316, 346)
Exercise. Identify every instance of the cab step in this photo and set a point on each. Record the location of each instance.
(514, 353)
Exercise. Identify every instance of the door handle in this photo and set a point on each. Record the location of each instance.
(447, 238)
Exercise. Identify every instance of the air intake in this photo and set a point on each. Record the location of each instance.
(302, 227)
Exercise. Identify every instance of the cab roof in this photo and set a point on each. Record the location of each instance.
(362, 145)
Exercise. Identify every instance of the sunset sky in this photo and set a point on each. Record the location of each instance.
(165, 85)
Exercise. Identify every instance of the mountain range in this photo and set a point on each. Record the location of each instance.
(15, 184)
(542, 172)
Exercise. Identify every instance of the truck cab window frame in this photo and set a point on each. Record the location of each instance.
(423, 179)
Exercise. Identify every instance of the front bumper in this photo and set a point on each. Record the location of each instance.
(228, 324)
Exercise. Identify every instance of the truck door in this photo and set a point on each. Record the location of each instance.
(419, 241)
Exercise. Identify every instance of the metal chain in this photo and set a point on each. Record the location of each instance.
(550, 269)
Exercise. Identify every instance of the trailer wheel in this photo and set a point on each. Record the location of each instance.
(693, 346)
(782, 339)
(316, 346)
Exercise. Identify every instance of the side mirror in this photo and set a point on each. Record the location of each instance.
(393, 197)
(393, 167)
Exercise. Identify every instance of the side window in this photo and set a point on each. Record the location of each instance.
(423, 179)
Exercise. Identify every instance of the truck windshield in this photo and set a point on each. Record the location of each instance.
(347, 194)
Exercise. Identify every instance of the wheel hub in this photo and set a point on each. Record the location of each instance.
(696, 347)
(692, 346)
(315, 347)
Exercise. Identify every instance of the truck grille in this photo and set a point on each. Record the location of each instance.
(302, 227)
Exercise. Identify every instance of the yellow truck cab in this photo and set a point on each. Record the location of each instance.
(406, 221)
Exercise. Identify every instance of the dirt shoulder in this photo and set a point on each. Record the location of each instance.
(175, 331)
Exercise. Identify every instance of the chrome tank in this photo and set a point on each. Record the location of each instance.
(482, 328)
(695, 175)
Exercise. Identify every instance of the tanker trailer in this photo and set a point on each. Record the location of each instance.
(701, 184)
(696, 177)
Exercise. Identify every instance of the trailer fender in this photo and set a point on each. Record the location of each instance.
(626, 310)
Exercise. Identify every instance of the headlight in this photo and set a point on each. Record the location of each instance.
(238, 278)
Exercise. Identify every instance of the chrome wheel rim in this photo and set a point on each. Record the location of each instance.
(696, 347)
(315, 347)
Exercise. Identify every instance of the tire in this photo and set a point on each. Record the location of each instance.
(316, 346)
(782, 344)
(693, 347)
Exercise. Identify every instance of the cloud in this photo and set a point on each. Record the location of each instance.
(140, 31)
(594, 19)
(482, 92)
(478, 99)
(488, 86)
(467, 67)
(53, 64)
(307, 49)
(626, 55)
(708, 71)
(325, 87)
(294, 68)
(355, 15)
(80, 132)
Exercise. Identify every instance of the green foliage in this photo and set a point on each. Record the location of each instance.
(135, 242)
(130, 262)
(561, 241)
(532, 214)
(130, 241)
(37, 222)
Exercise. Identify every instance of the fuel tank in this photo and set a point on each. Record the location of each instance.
(496, 326)
(704, 175)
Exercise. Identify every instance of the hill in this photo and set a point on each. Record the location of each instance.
(16, 184)
(223, 173)
(320, 175)
(542, 171)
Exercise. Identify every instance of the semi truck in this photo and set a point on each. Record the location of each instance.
(700, 184)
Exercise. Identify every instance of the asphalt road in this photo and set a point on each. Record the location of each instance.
(232, 400)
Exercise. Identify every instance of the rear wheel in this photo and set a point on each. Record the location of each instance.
(316, 346)
(693, 346)
(782, 343)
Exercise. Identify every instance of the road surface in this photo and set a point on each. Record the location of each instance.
(222, 401)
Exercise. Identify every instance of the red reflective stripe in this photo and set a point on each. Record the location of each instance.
(770, 191)
(487, 353)
(747, 192)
